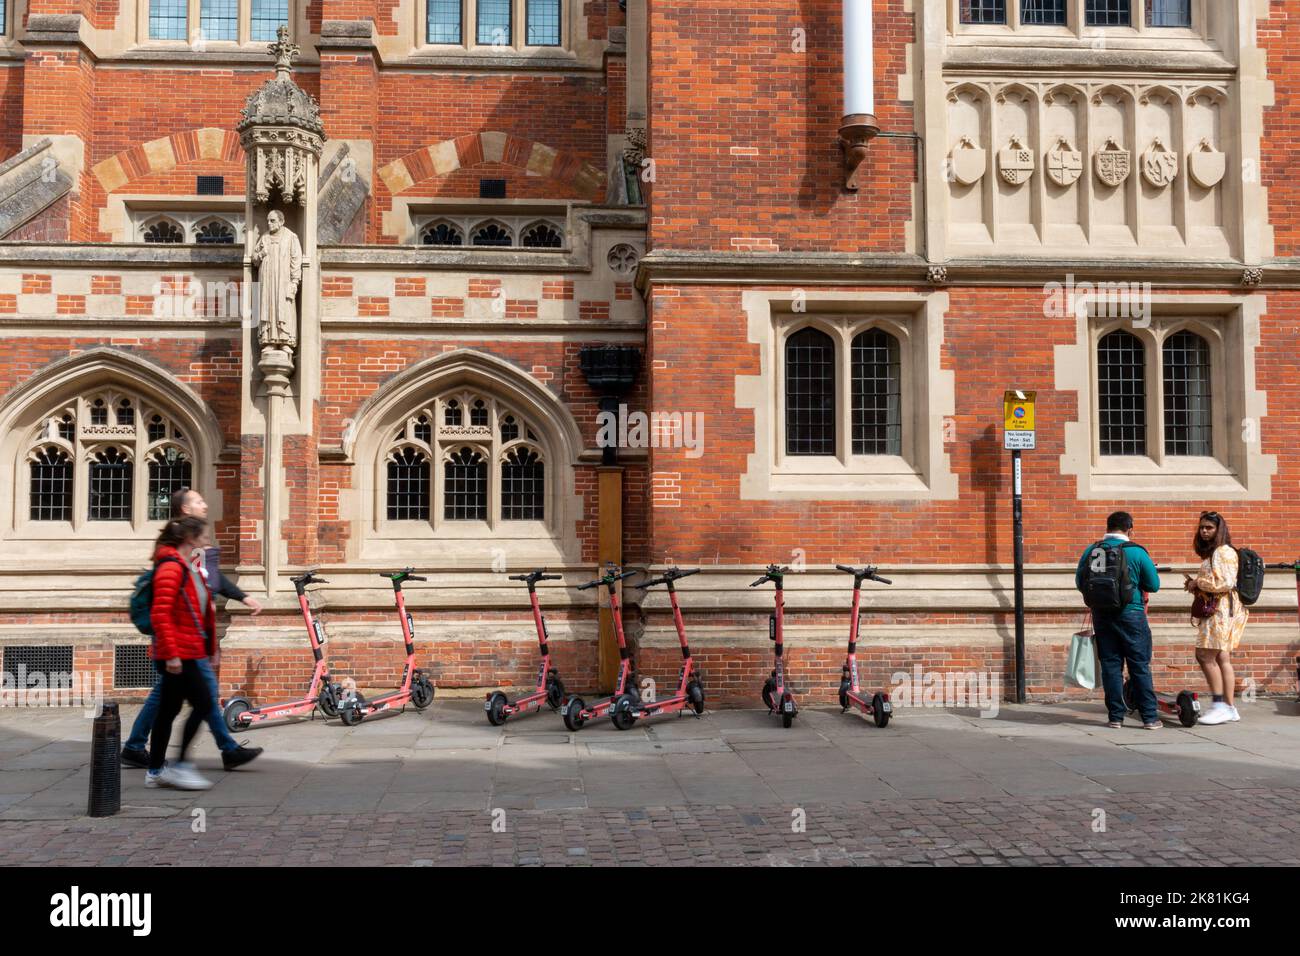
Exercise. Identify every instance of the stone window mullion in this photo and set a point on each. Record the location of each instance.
(844, 393)
(1156, 397)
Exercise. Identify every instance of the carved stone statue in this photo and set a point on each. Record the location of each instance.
(278, 256)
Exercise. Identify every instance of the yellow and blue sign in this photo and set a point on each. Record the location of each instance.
(1018, 419)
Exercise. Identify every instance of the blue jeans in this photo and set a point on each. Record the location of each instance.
(144, 720)
(1126, 638)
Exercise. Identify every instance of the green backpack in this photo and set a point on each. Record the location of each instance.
(142, 600)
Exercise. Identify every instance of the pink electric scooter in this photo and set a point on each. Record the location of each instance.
(550, 689)
(322, 693)
(415, 688)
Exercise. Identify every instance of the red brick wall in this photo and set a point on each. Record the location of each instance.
(1279, 37)
(743, 129)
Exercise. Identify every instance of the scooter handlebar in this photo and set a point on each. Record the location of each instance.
(866, 574)
(672, 574)
(1293, 566)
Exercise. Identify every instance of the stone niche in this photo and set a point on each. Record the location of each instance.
(1107, 166)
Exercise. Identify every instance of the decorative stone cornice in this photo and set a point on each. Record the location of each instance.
(812, 267)
(55, 29)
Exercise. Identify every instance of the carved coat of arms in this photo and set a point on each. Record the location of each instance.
(1064, 163)
(1207, 165)
(1015, 162)
(1159, 165)
(1113, 163)
(967, 162)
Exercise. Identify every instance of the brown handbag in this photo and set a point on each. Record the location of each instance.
(1204, 605)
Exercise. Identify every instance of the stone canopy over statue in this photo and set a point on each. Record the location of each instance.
(277, 255)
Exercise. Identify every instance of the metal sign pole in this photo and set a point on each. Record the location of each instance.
(1018, 517)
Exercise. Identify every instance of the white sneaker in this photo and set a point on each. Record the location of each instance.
(183, 776)
(1235, 715)
(1219, 713)
(152, 779)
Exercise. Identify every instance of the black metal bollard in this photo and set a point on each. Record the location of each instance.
(106, 763)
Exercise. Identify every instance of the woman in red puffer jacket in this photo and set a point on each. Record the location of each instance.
(184, 627)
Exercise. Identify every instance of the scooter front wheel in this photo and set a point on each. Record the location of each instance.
(328, 701)
(695, 694)
(1129, 697)
(573, 718)
(234, 707)
(422, 692)
(621, 713)
(878, 712)
(496, 709)
(768, 689)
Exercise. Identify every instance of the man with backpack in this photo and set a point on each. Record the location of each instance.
(1113, 575)
(189, 503)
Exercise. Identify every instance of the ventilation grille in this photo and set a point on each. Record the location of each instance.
(491, 189)
(211, 185)
(132, 666)
(52, 663)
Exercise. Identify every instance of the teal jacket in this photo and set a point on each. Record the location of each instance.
(1141, 570)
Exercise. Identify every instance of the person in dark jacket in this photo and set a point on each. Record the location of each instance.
(184, 621)
(185, 502)
(1124, 637)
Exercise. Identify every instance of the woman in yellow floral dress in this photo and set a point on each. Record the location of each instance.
(1219, 634)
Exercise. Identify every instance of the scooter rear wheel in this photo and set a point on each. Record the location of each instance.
(787, 720)
(231, 714)
(878, 712)
(351, 713)
(422, 692)
(496, 709)
(555, 693)
(573, 718)
(1187, 715)
(621, 712)
(695, 694)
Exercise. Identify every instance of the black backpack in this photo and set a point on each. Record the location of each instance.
(1107, 584)
(1250, 575)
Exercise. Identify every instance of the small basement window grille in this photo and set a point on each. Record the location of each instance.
(211, 185)
(132, 667)
(491, 189)
(38, 665)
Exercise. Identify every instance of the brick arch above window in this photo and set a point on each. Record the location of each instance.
(491, 146)
(165, 154)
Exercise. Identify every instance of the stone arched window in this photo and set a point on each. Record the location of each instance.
(162, 229)
(110, 454)
(214, 231)
(490, 464)
(465, 457)
(94, 447)
(442, 233)
(492, 233)
(541, 235)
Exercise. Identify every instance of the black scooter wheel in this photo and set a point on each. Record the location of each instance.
(231, 714)
(572, 712)
(695, 694)
(555, 693)
(1130, 699)
(768, 689)
(844, 696)
(351, 712)
(878, 712)
(422, 692)
(787, 720)
(1187, 715)
(328, 700)
(496, 709)
(621, 713)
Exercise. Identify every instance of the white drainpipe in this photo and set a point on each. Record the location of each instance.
(859, 124)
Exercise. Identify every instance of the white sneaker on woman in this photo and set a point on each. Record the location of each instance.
(1219, 713)
(183, 776)
(1235, 715)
